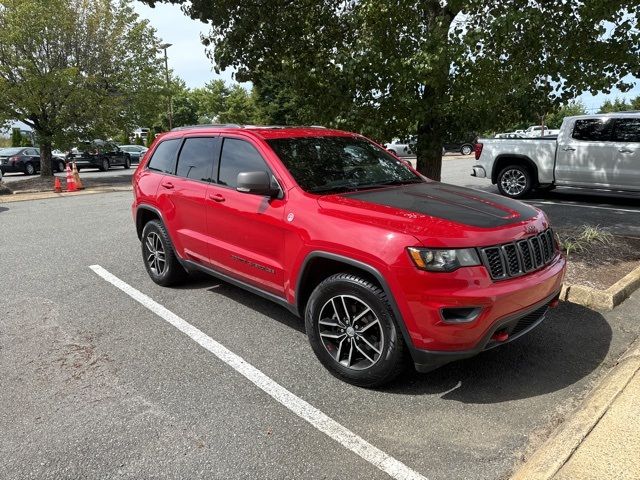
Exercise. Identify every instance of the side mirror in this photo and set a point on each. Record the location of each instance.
(256, 183)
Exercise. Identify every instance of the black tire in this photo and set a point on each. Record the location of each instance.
(29, 168)
(388, 363)
(173, 272)
(104, 165)
(515, 181)
(60, 166)
(127, 162)
(466, 150)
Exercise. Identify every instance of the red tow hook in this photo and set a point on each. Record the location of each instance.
(501, 336)
(554, 303)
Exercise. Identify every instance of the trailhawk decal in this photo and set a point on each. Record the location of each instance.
(457, 204)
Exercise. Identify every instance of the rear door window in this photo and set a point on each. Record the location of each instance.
(196, 160)
(627, 130)
(593, 130)
(238, 156)
(164, 156)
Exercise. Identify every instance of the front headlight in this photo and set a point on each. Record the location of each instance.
(443, 260)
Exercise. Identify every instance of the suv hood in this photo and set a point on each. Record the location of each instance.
(438, 211)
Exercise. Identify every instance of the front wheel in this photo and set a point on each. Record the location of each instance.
(514, 181)
(60, 166)
(127, 162)
(353, 332)
(104, 166)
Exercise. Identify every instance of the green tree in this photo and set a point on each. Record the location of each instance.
(554, 119)
(74, 69)
(431, 67)
(618, 105)
(16, 137)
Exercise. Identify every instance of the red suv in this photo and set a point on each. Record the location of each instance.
(383, 264)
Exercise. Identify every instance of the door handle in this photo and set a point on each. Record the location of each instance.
(168, 185)
(625, 150)
(569, 149)
(216, 197)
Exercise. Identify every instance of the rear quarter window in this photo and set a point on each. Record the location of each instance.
(164, 156)
(627, 130)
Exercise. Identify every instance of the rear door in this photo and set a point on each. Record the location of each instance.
(246, 230)
(585, 153)
(626, 153)
(182, 196)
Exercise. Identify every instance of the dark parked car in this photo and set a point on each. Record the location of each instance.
(135, 151)
(25, 160)
(465, 148)
(99, 154)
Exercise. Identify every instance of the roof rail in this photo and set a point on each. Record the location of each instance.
(236, 125)
(215, 125)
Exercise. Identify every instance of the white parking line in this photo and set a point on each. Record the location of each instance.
(567, 204)
(304, 410)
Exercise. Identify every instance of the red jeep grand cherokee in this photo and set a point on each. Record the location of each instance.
(379, 260)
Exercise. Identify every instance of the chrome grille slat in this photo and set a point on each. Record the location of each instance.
(518, 258)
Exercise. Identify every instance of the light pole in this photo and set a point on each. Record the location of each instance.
(164, 47)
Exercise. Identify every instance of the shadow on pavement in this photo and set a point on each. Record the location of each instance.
(3, 209)
(571, 343)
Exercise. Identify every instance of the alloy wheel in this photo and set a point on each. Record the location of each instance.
(351, 332)
(513, 182)
(156, 258)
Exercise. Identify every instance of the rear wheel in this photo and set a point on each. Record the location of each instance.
(29, 169)
(159, 256)
(514, 181)
(353, 332)
(466, 150)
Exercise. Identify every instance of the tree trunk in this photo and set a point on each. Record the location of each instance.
(45, 159)
(429, 150)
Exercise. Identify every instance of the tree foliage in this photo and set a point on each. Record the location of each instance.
(75, 69)
(427, 66)
(620, 105)
(554, 119)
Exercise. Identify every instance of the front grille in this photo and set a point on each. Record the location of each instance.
(517, 258)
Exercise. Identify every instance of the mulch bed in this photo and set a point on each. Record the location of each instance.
(39, 184)
(601, 265)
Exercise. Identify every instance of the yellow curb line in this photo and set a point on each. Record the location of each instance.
(23, 197)
(559, 448)
(599, 299)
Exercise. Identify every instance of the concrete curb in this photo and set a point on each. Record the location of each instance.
(26, 196)
(557, 450)
(603, 299)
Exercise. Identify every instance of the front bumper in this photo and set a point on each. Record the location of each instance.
(11, 168)
(513, 327)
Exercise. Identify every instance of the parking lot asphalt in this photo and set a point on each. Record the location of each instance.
(96, 385)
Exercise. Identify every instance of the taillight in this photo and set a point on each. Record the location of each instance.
(477, 148)
(13, 160)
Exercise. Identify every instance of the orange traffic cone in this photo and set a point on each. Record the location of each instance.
(57, 186)
(71, 184)
(76, 177)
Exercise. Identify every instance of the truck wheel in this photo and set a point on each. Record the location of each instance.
(353, 332)
(159, 257)
(514, 181)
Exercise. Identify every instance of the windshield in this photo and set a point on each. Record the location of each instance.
(332, 164)
(11, 151)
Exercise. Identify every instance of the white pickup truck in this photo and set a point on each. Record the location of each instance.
(591, 151)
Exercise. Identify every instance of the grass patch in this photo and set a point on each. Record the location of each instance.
(585, 239)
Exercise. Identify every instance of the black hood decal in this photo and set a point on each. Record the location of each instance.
(457, 204)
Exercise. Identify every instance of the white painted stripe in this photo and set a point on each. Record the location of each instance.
(304, 410)
(566, 204)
